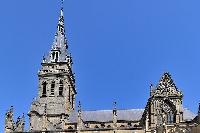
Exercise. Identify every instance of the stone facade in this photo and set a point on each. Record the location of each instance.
(54, 108)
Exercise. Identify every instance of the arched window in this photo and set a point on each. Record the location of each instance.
(169, 108)
(170, 117)
(56, 57)
(159, 119)
(52, 88)
(53, 55)
(61, 88)
(44, 89)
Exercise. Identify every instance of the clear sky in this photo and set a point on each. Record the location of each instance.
(119, 48)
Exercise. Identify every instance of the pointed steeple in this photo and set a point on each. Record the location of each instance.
(58, 52)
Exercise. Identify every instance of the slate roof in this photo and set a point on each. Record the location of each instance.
(107, 115)
(188, 115)
(126, 115)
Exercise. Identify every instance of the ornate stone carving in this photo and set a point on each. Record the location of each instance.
(166, 87)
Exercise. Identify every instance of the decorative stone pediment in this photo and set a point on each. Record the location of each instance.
(166, 87)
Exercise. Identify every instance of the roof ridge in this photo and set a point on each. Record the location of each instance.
(112, 110)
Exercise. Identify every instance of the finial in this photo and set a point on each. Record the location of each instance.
(79, 106)
(33, 101)
(79, 109)
(115, 105)
(23, 116)
(11, 108)
(151, 86)
(115, 114)
(23, 119)
(151, 89)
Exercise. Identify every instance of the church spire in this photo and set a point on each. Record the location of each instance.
(58, 52)
(61, 27)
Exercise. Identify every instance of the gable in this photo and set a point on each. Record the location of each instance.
(166, 87)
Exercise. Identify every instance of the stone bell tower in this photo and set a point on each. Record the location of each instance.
(56, 92)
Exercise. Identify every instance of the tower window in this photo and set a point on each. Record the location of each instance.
(56, 57)
(61, 88)
(44, 89)
(52, 88)
(53, 55)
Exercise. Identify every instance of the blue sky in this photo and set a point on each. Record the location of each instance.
(119, 48)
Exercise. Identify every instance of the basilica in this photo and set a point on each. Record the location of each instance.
(53, 111)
